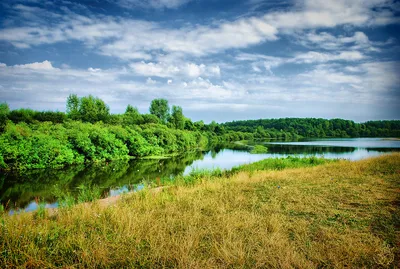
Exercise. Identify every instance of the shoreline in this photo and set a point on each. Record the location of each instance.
(304, 217)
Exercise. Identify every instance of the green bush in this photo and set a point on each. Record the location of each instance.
(259, 149)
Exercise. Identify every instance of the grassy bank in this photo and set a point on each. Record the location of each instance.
(333, 215)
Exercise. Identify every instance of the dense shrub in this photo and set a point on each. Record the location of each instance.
(45, 144)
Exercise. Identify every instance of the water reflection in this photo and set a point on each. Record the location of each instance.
(18, 191)
(21, 190)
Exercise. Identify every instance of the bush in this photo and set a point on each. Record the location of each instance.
(259, 149)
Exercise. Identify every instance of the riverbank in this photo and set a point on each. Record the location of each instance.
(333, 215)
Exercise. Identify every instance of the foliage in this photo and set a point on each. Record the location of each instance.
(88, 193)
(22, 115)
(150, 118)
(289, 128)
(259, 149)
(177, 119)
(4, 111)
(93, 109)
(282, 163)
(160, 108)
(43, 144)
(87, 108)
(132, 116)
(73, 106)
(88, 133)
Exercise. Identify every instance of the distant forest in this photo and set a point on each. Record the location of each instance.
(316, 128)
(88, 132)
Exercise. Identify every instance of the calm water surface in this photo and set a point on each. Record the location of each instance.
(21, 192)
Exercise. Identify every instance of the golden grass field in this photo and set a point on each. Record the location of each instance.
(336, 215)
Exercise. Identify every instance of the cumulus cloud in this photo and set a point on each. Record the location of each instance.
(45, 65)
(181, 69)
(130, 39)
(331, 13)
(204, 64)
(328, 41)
(44, 70)
(329, 83)
(150, 81)
(156, 4)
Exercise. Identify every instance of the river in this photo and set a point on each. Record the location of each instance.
(20, 192)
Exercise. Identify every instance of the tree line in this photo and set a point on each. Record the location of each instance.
(88, 132)
(315, 128)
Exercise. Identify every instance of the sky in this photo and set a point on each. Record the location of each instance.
(219, 60)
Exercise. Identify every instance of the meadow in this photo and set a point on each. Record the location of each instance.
(289, 213)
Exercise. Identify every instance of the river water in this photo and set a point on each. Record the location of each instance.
(20, 192)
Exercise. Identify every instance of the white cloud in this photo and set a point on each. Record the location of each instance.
(329, 83)
(44, 70)
(261, 62)
(129, 39)
(327, 41)
(180, 54)
(150, 81)
(155, 69)
(45, 65)
(318, 57)
(332, 13)
(323, 77)
(178, 69)
(204, 89)
(157, 4)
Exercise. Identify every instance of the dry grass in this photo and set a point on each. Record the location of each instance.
(343, 214)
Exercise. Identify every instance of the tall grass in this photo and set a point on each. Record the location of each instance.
(88, 193)
(283, 163)
(340, 214)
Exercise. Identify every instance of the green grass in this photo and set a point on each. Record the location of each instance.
(259, 149)
(334, 215)
(282, 163)
(88, 193)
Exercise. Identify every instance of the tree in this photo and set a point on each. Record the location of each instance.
(132, 116)
(160, 108)
(4, 111)
(150, 118)
(22, 115)
(211, 127)
(88, 108)
(53, 116)
(103, 111)
(177, 119)
(189, 125)
(73, 106)
(199, 125)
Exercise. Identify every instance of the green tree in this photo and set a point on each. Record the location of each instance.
(160, 108)
(177, 119)
(26, 115)
(132, 116)
(73, 106)
(88, 108)
(4, 111)
(103, 111)
(150, 118)
(199, 125)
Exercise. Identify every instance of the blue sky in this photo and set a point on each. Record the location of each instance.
(220, 60)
